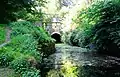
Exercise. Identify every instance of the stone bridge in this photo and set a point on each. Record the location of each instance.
(54, 28)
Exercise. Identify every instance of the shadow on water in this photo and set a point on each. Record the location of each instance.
(70, 61)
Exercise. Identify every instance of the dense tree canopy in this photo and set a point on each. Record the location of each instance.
(11, 9)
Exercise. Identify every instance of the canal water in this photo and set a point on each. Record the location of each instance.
(71, 61)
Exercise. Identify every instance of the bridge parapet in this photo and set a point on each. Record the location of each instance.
(54, 25)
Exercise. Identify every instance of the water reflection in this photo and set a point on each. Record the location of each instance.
(71, 61)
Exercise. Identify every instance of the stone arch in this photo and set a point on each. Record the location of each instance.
(56, 36)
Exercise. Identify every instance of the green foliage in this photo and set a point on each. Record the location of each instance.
(23, 64)
(25, 44)
(20, 64)
(67, 70)
(25, 38)
(32, 72)
(80, 39)
(106, 32)
(24, 51)
(98, 27)
(44, 37)
(85, 20)
(23, 27)
(2, 33)
(2, 50)
(23, 67)
(66, 37)
(32, 17)
(11, 10)
(106, 36)
(31, 38)
(5, 59)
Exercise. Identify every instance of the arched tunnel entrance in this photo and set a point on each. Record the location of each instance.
(56, 36)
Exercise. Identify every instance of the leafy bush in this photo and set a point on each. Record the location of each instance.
(20, 64)
(66, 37)
(2, 50)
(98, 27)
(31, 37)
(85, 20)
(106, 32)
(25, 44)
(32, 72)
(23, 27)
(40, 36)
(106, 36)
(23, 67)
(2, 33)
(24, 51)
(5, 59)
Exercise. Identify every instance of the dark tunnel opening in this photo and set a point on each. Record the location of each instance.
(57, 37)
